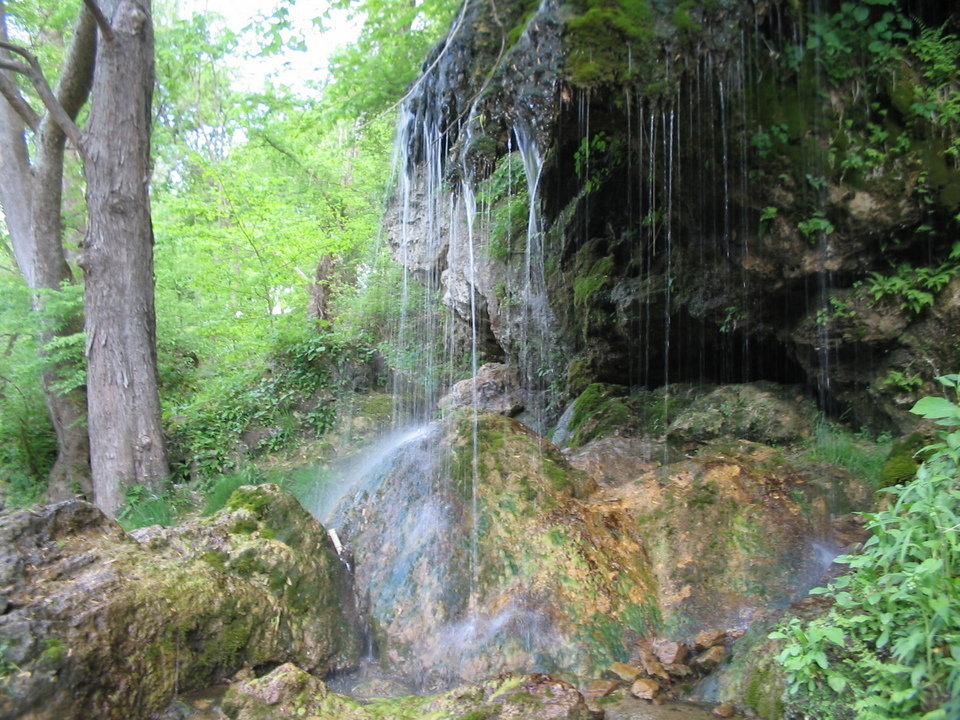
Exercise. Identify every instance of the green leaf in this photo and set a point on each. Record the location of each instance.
(837, 682)
(935, 407)
(834, 635)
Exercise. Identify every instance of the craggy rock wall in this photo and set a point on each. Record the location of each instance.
(720, 192)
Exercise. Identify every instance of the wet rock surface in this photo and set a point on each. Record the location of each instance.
(288, 693)
(104, 624)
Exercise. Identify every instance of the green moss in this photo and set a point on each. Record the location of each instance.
(54, 650)
(255, 499)
(586, 285)
(609, 42)
(244, 526)
(217, 559)
(483, 714)
(764, 692)
(901, 465)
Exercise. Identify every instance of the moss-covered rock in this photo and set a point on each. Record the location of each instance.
(105, 624)
(761, 412)
(289, 693)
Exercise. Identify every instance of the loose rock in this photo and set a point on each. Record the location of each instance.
(623, 672)
(652, 666)
(723, 711)
(708, 638)
(670, 652)
(710, 658)
(599, 688)
(645, 689)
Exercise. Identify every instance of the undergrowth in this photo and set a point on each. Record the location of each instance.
(890, 646)
(862, 456)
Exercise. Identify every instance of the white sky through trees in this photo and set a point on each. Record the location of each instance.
(296, 69)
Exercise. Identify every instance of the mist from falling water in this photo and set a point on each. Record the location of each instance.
(353, 476)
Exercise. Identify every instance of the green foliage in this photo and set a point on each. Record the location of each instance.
(209, 428)
(914, 289)
(370, 75)
(939, 97)
(222, 488)
(890, 647)
(505, 194)
(860, 37)
(903, 380)
(815, 226)
(27, 440)
(596, 158)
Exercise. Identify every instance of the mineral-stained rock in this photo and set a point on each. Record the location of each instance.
(645, 689)
(763, 412)
(289, 693)
(710, 658)
(104, 625)
(553, 584)
(723, 711)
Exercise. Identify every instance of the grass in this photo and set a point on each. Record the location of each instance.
(861, 455)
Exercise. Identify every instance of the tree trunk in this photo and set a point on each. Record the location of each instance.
(31, 198)
(126, 441)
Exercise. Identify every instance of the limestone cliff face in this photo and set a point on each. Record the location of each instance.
(646, 193)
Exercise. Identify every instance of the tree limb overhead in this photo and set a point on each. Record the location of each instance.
(101, 19)
(35, 74)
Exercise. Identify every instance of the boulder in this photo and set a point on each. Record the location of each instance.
(476, 565)
(104, 624)
(599, 688)
(496, 389)
(652, 666)
(708, 638)
(761, 412)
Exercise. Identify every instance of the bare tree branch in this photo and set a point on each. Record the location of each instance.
(35, 74)
(12, 95)
(101, 19)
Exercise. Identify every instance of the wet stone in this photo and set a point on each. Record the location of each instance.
(723, 711)
(652, 666)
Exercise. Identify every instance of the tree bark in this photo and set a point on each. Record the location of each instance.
(31, 195)
(127, 444)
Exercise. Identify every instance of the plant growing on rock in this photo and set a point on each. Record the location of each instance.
(890, 646)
